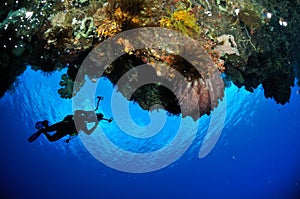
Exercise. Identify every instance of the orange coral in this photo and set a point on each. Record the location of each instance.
(108, 29)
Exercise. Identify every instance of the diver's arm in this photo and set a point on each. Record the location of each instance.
(109, 120)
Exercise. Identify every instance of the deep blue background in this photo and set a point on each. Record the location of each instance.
(257, 155)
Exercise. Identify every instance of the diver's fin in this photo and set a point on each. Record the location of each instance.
(41, 124)
(34, 136)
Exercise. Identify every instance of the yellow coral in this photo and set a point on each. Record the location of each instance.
(182, 20)
(181, 15)
(187, 18)
(165, 22)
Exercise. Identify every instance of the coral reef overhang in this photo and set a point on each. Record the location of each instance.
(176, 95)
(251, 42)
(158, 66)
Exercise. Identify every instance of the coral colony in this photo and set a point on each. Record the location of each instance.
(250, 43)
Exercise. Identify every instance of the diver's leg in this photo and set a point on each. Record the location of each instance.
(56, 136)
(55, 127)
(36, 135)
(45, 123)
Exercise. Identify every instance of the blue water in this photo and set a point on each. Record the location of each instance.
(256, 156)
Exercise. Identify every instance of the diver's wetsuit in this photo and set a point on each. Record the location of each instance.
(63, 128)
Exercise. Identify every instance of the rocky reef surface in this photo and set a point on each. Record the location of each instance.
(247, 43)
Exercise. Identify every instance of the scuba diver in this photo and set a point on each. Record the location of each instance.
(67, 125)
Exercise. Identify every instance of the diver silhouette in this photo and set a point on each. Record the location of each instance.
(67, 125)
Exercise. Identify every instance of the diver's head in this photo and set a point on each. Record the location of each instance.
(99, 116)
